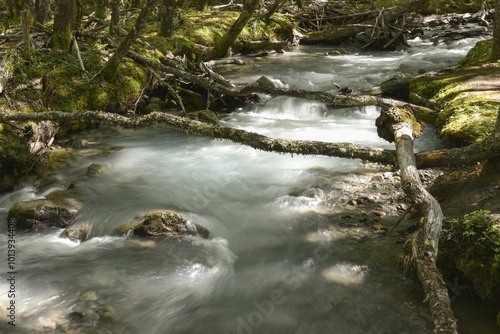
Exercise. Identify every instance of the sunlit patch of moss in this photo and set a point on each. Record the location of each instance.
(468, 109)
(480, 53)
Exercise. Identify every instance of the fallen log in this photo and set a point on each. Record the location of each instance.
(257, 141)
(477, 152)
(425, 242)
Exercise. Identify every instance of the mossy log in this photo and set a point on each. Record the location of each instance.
(481, 151)
(257, 141)
(427, 239)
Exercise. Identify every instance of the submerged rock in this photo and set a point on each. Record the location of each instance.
(77, 233)
(96, 169)
(59, 210)
(163, 224)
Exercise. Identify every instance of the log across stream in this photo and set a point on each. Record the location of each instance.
(296, 243)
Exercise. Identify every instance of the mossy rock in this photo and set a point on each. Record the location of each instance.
(206, 116)
(15, 158)
(163, 224)
(59, 210)
(480, 53)
(472, 245)
(470, 97)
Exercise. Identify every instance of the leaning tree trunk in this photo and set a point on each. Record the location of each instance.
(425, 243)
(225, 42)
(64, 24)
(111, 66)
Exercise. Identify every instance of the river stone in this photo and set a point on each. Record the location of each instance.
(59, 210)
(164, 224)
(77, 233)
(96, 169)
(205, 116)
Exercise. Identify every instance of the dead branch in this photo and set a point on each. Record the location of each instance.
(428, 235)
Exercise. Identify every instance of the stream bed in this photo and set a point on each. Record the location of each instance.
(296, 243)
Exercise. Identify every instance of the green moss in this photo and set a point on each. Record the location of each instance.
(473, 246)
(15, 159)
(469, 109)
(480, 53)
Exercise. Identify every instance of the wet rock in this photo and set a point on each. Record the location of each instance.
(266, 82)
(88, 296)
(77, 233)
(96, 169)
(59, 210)
(206, 116)
(163, 224)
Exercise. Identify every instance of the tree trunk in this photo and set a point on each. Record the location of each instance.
(42, 10)
(496, 33)
(100, 11)
(26, 34)
(167, 14)
(114, 29)
(111, 67)
(488, 148)
(427, 239)
(225, 42)
(64, 24)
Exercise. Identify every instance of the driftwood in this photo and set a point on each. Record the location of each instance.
(425, 243)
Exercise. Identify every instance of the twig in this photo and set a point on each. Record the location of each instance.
(172, 91)
(80, 60)
(401, 218)
(143, 90)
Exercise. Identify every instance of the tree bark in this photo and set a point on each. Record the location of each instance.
(496, 33)
(427, 239)
(488, 148)
(114, 29)
(42, 10)
(100, 11)
(257, 141)
(26, 34)
(111, 67)
(225, 42)
(64, 24)
(167, 15)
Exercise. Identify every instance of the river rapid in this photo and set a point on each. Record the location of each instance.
(279, 258)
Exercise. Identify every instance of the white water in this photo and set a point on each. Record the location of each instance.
(271, 264)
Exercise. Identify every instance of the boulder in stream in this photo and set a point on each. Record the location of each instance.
(163, 224)
(58, 209)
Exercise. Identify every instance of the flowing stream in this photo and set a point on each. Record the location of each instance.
(273, 262)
